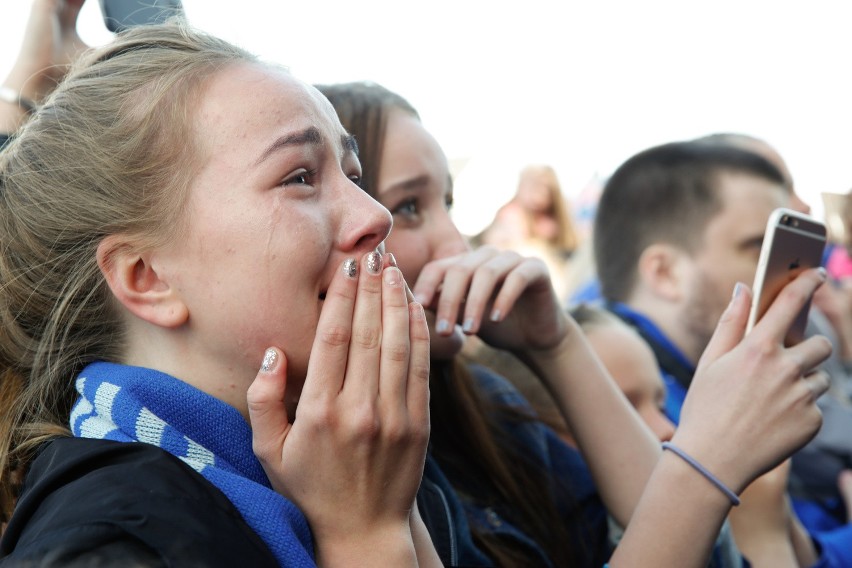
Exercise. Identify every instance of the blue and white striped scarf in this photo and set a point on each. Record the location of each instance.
(134, 404)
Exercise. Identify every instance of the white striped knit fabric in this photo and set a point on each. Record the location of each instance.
(134, 404)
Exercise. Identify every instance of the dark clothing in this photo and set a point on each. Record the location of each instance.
(574, 494)
(444, 517)
(102, 503)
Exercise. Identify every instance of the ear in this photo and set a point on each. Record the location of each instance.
(135, 283)
(663, 271)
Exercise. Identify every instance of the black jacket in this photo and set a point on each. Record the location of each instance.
(96, 503)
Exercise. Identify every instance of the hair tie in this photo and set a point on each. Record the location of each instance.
(703, 471)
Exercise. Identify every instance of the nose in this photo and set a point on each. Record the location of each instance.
(448, 240)
(662, 427)
(365, 222)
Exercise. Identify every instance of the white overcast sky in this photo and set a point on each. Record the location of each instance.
(581, 85)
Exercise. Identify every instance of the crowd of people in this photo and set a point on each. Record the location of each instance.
(252, 335)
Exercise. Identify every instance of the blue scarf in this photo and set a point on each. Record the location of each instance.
(133, 404)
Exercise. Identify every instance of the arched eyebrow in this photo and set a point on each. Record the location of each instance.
(310, 136)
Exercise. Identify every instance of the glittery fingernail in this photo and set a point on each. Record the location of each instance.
(350, 267)
(269, 360)
(374, 262)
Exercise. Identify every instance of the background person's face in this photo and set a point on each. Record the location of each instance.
(730, 250)
(534, 192)
(273, 214)
(633, 366)
(414, 184)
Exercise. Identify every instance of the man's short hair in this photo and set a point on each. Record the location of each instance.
(666, 194)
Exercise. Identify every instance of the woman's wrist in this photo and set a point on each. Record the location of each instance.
(548, 363)
(382, 546)
(10, 96)
(713, 458)
(706, 473)
(31, 84)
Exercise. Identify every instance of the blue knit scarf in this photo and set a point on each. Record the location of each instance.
(133, 404)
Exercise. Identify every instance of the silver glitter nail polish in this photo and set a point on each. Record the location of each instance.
(269, 359)
(350, 267)
(374, 262)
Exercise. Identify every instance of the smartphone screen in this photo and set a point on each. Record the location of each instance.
(122, 14)
(793, 242)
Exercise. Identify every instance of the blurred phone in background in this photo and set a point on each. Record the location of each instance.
(122, 14)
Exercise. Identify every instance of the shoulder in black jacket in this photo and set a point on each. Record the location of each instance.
(100, 503)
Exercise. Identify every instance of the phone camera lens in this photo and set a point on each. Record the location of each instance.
(785, 220)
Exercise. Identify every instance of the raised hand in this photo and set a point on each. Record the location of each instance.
(352, 458)
(506, 299)
(50, 45)
(752, 401)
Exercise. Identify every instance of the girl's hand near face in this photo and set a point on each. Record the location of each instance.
(352, 459)
(504, 298)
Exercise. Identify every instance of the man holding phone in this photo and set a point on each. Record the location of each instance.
(677, 227)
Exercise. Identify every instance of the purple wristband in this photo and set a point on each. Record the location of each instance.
(703, 471)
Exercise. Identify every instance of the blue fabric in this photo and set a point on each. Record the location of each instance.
(675, 391)
(445, 518)
(836, 547)
(826, 524)
(588, 292)
(134, 404)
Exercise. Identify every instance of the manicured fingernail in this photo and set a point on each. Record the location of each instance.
(822, 273)
(467, 327)
(392, 276)
(738, 289)
(392, 259)
(442, 326)
(420, 299)
(350, 268)
(270, 358)
(374, 262)
(495, 315)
